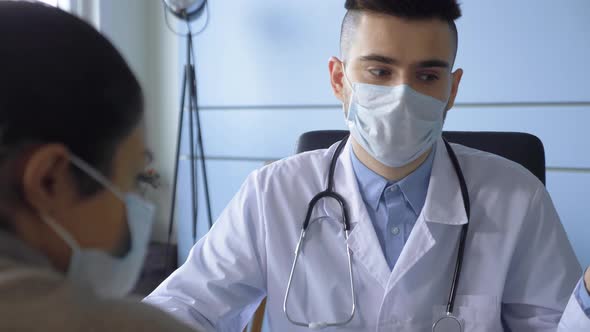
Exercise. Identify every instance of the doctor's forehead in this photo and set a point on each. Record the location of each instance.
(405, 41)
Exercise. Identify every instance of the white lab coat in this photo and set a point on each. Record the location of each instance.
(35, 297)
(518, 274)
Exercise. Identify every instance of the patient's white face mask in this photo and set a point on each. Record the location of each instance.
(107, 275)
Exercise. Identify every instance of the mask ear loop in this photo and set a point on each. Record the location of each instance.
(346, 76)
(93, 173)
(352, 93)
(61, 232)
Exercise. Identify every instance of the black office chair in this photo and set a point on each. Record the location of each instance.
(525, 149)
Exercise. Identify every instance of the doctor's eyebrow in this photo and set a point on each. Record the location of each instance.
(431, 63)
(379, 58)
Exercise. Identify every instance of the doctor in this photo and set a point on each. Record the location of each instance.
(406, 211)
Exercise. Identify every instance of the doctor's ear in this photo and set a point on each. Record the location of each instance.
(337, 78)
(46, 181)
(455, 82)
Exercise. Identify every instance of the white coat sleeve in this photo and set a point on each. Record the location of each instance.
(223, 280)
(543, 273)
(574, 318)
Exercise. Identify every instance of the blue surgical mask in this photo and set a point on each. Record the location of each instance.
(107, 275)
(394, 124)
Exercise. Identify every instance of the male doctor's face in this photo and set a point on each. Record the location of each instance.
(387, 50)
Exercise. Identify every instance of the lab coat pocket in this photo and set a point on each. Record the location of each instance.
(478, 313)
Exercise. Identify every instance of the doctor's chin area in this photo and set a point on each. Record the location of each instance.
(292, 166)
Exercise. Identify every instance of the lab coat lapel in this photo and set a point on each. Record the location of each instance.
(362, 240)
(419, 243)
(444, 205)
(444, 202)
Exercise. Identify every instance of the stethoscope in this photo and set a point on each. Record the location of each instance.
(448, 321)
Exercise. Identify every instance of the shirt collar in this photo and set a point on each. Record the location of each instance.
(371, 184)
(414, 186)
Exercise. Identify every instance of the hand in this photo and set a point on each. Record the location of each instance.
(587, 279)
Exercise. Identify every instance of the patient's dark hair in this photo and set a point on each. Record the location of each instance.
(63, 82)
(445, 10)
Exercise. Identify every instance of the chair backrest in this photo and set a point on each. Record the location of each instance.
(525, 149)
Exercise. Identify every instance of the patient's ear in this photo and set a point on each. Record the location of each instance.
(46, 182)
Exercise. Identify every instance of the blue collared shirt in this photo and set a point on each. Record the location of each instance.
(393, 207)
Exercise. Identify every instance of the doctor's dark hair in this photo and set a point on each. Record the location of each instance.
(63, 82)
(445, 10)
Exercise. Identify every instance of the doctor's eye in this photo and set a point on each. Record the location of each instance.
(379, 72)
(427, 77)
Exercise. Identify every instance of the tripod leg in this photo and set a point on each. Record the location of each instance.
(193, 93)
(176, 165)
(193, 157)
(204, 169)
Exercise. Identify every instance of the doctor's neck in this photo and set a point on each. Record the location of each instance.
(389, 173)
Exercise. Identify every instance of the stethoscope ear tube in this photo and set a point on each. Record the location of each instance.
(464, 228)
(327, 194)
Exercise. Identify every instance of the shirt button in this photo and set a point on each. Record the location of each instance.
(395, 230)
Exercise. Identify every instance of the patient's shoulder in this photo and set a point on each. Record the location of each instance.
(132, 315)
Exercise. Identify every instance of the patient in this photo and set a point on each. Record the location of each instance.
(73, 235)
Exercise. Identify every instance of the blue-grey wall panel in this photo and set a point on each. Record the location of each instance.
(275, 52)
(273, 133)
(225, 179)
(524, 51)
(271, 52)
(562, 129)
(263, 133)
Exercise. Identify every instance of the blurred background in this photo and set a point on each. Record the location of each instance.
(263, 81)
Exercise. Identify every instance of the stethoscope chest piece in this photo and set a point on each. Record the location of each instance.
(447, 323)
